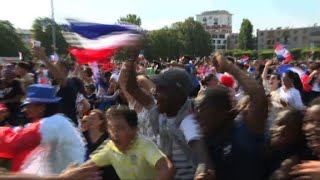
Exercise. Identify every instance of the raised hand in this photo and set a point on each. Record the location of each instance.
(307, 170)
(39, 52)
(220, 62)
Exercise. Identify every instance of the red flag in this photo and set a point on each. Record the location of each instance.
(85, 56)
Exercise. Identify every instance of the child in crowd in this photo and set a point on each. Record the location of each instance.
(132, 156)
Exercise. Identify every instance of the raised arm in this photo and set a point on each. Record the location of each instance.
(264, 74)
(164, 169)
(258, 106)
(40, 53)
(131, 85)
(111, 97)
(87, 172)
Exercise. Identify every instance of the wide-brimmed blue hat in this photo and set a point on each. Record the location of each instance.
(39, 93)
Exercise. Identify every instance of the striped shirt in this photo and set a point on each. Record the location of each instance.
(184, 168)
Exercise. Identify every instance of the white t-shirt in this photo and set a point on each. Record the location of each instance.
(316, 87)
(292, 97)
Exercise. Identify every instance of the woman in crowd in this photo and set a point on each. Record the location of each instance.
(85, 123)
(87, 76)
(208, 81)
(291, 91)
(82, 104)
(95, 136)
(272, 83)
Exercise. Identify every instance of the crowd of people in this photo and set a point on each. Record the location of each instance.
(210, 118)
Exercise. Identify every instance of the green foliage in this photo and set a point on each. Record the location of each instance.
(266, 54)
(188, 37)
(306, 53)
(10, 42)
(251, 53)
(296, 53)
(42, 31)
(131, 19)
(245, 36)
(164, 43)
(238, 53)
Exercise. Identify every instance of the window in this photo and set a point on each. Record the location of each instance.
(223, 47)
(224, 41)
(304, 38)
(221, 36)
(214, 46)
(214, 36)
(219, 47)
(315, 33)
(214, 41)
(219, 41)
(215, 21)
(269, 42)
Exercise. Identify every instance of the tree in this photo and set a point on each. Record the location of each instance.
(245, 35)
(188, 37)
(163, 43)
(128, 19)
(285, 35)
(10, 42)
(42, 31)
(196, 41)
(266, 54)
(131, 19)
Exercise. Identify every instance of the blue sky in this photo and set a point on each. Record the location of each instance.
(156, 14)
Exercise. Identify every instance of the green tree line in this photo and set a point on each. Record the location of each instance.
(181, 38)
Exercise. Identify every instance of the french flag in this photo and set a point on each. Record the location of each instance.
(283, 54)
(244, 59)
(93, 42)
(287, 67)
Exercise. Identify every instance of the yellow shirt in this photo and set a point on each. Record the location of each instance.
(136, 163)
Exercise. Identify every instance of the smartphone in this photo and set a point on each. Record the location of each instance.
(201, 168)
(36, 44)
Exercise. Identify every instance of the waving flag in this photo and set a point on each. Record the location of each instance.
(93, 42)
(244, 59)
(287, 67)
(283, 54)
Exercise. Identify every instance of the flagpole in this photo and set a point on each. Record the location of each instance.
(53, 29)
